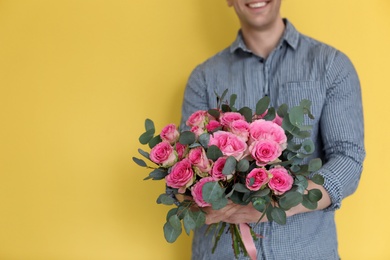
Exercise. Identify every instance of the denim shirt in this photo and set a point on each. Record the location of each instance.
(298, 68)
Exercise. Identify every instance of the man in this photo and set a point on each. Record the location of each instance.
(269, 57)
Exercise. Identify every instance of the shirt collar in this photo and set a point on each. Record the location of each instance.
(290, 36)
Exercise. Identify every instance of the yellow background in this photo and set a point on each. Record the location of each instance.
(77, 80)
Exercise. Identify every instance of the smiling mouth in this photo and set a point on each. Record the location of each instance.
(257, 4)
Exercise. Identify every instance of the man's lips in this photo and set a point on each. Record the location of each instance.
(257, 4)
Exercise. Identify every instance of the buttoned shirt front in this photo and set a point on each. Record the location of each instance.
(298, 68)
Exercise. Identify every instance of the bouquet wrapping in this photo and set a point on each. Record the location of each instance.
(248, 157)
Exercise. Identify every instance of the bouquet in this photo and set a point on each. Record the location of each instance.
(241, 155)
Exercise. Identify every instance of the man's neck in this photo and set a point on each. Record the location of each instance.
(263, 42)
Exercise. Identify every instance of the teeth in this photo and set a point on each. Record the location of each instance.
(257, 5)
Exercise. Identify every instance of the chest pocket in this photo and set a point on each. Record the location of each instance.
(292, 93)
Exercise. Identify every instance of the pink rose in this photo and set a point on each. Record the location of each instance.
(240, 128)
(265, 151)
(227, 118)
(163, 154)
(213, 125)
(198, 158)
(229, 144)
(197, 130)
(196, 191)
(181, 176)
(268, 130)
(257, 178)
(216, 171)
(277, 120)
(198, 118)
(181, 150)
(170, 134)
(281, 180)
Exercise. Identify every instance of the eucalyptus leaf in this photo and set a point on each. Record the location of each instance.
(212, 191)
(318, 179)
(154, 141)
(165, 199)
(247, 113)
(199, 217)
(279, 216)
(171, 212)
(219, 204)
(242, 165)
(282, 110)
(239, 187)
(296, 116)
(307, 203)
(262, 193)
(290, 199)
(204, 140)
(149, 125)
(233, 98)
(187, 137)
(314, 195)
(214, 112)
(170, 233)
(140, 162)
(175, 222)
(224, 94)
(315, 164)
(259, 204)
(144, 154)
(158, 174)
(213, 153)
(146, 137)
(262, 105)
(226, 108)
(189, 223)
(308, 146)
(271, 114)
(230, 166)
(302, 134)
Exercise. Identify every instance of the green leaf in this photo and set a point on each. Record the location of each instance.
(290, 199)
(301, 182)
(213, 153)
(247, 113)
(170, 233)
(293, 146)
(296, 116)
(189, 223)
(315, 164)
(259, 204)
(233, 98)
(219, 204)
(308, 146)
(204, 140)
(242, 165)
(224, 94)
(165, 199)
(154, 141)
(309, 204)
(318, 179)
(175, 222)
(270, 114)
(171, 212)
(262, 105)
(230, 166)
(149, 125)
(314, 195)
(226, 108)
(282, 110)
(158, 174)
(140, 162)
(302, 134)
(239, 187)
(279, 216)
(212, 191)
(144, 154)
(199, 217)
(146, 137)
(187, 137)
(214, 112)
(262, 193)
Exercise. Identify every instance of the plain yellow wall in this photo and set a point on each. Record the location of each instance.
(77, 80)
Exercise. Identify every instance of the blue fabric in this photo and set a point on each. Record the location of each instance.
(298, 68)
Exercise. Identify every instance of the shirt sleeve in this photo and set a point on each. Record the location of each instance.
(342, 131)
(195, 96)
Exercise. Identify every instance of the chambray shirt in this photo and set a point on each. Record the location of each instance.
(298, 68)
